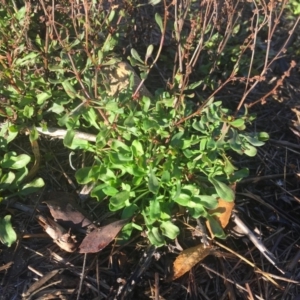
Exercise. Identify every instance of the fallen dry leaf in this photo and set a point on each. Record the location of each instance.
(65, 210)
(225, 209)
(119, 79)
(99, 238)
(188, 258)
(60, 235)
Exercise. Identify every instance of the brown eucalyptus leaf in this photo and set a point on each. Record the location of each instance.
(188, 258)
(99, 238)
(64, 209)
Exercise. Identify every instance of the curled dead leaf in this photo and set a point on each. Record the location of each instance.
(64, 209)
(60, 235)
(188, 258)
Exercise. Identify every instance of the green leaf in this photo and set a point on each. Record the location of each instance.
(223, 191)
(216, 228)
(82, 175)
(8, 235)
(155, 237)
(154, 208)
(129, 121)
(264, 136)
(137, 148)
(165, 177)
(33, 134)
(238, 175)
(69, 89)
(20, 175)
(117, 145)
(149, 52)
(150, 124)
(253, 140)
(159, 22)
(69, 137)
(43, 97)
(146, 103)
(153, 183)
(136, 56)
(169, 229)
(111, 16)
(7, 180)
(56, 108)
(80, 144)
(9, 132)
(129, 211)
(28, 111)
(27, 59)
(177, 140)
(197, 211)
(194, 85)
(118, 201)
(94, 173)
(250, 150)
(98, 193)
(210, 202)
(20, 14)
(183, 199)
(237, 123)
(32, 187)
(125, 233)
(228, 167)
(12, 161)
(110, 191)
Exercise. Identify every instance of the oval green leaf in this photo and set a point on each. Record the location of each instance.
(223, 191)
(169, 229)
(7, 234)
(153, 183)
(119, 200)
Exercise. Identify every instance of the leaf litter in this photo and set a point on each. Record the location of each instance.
(68, 214)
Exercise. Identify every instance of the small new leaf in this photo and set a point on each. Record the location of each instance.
(159, 22)
(7, 234)
(136, 56)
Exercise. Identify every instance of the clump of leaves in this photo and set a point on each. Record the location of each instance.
(151, 167)
(13, 167)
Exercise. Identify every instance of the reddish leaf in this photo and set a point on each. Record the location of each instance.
(99, 238)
